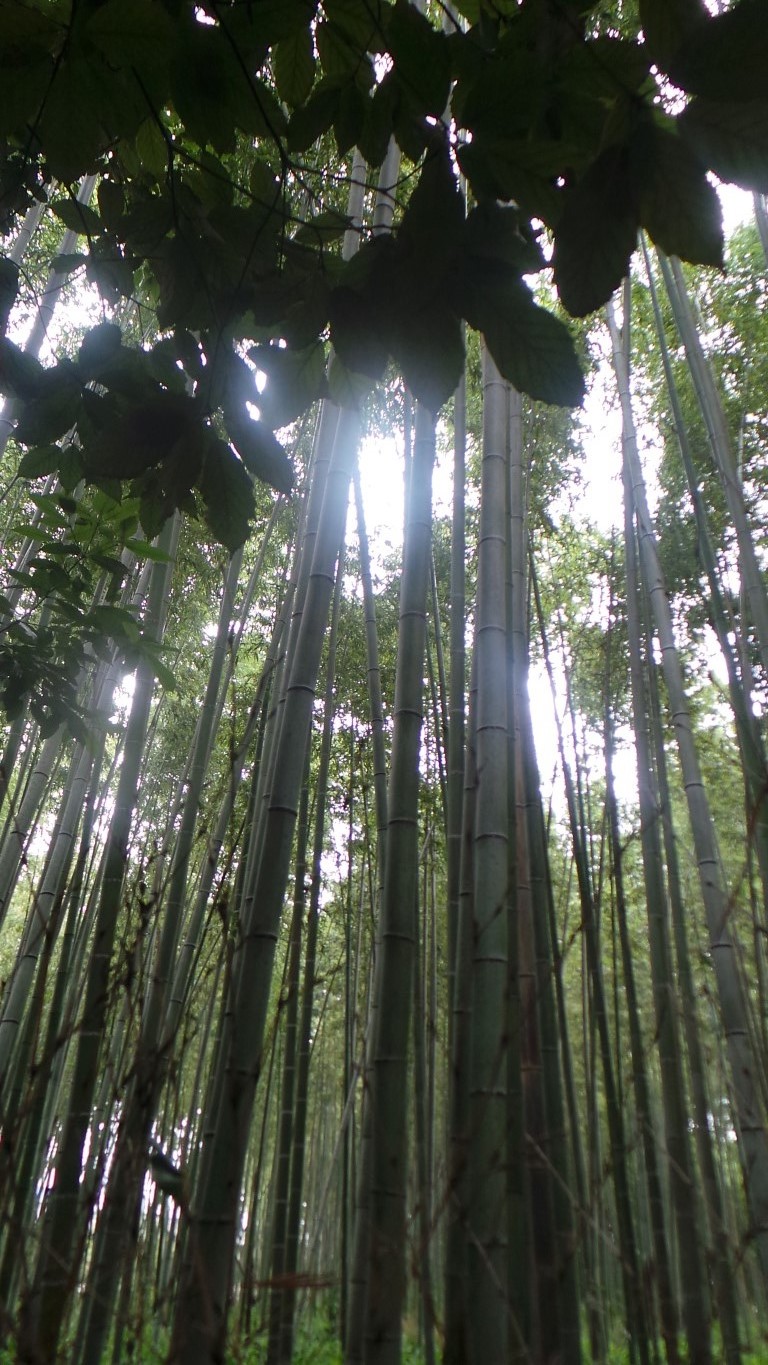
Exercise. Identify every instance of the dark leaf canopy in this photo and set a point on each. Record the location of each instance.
(219, 134)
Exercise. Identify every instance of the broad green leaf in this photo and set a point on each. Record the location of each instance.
(53, 410)
(259, 450)
(596, 234)
(78, 217)
(421, 57)
(410, 129)
(227, 494)
(68, 262)
(110, 271)
(269, 21)
(39, 461)
(293, 66)
(97, 347)
(149, 651)
(726, 57)
(210, 181)
(126, 372)
(340, 58)
(294, 380)
(152, 149)
(328, 226)
(162, 363)
(214, 96)
(131, 32)
(314, 118)
(356, 333)
(534, 351)
(730, 138)
(678, 206)
(258, 112)
(428, 347)
(201, 85)
(25, 32)
(306, 316)
(604, 69)
(361, 21)
(115, 622)
(376, 129)
(668, 24)
(113, 566)
(70, 467)
(432, 226)
(24, 88)
(21, 374)
(499, 169)
(111, 201)
(227, 379)
(141, 437)
(70, 125)
(147, 221)
(9, 288)
(500, 233)
(532, 348)
(350, 117)
(469, 9)
(348, 388)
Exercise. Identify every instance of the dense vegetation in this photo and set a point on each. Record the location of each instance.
(328, 1028)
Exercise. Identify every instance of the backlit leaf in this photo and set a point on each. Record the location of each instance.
(421, 57)
(596, 234)
(293, 66)
(227, 494)
(97, 347)
(531, 348)
(678, 206)
(429, 349)
(668, 24)
(260, 451)
(727, 56)
(39, 461)
(21, 374)
(131, 32)
(731, 138)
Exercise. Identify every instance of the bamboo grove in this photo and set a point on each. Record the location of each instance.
(330, 1027)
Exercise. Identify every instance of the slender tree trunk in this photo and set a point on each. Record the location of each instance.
(748, 1112)
(486, 1207)
(394, 977)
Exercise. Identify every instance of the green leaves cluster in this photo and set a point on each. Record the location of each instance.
(52, 626)
(439, 268)
(118, 414)
(212, 129)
